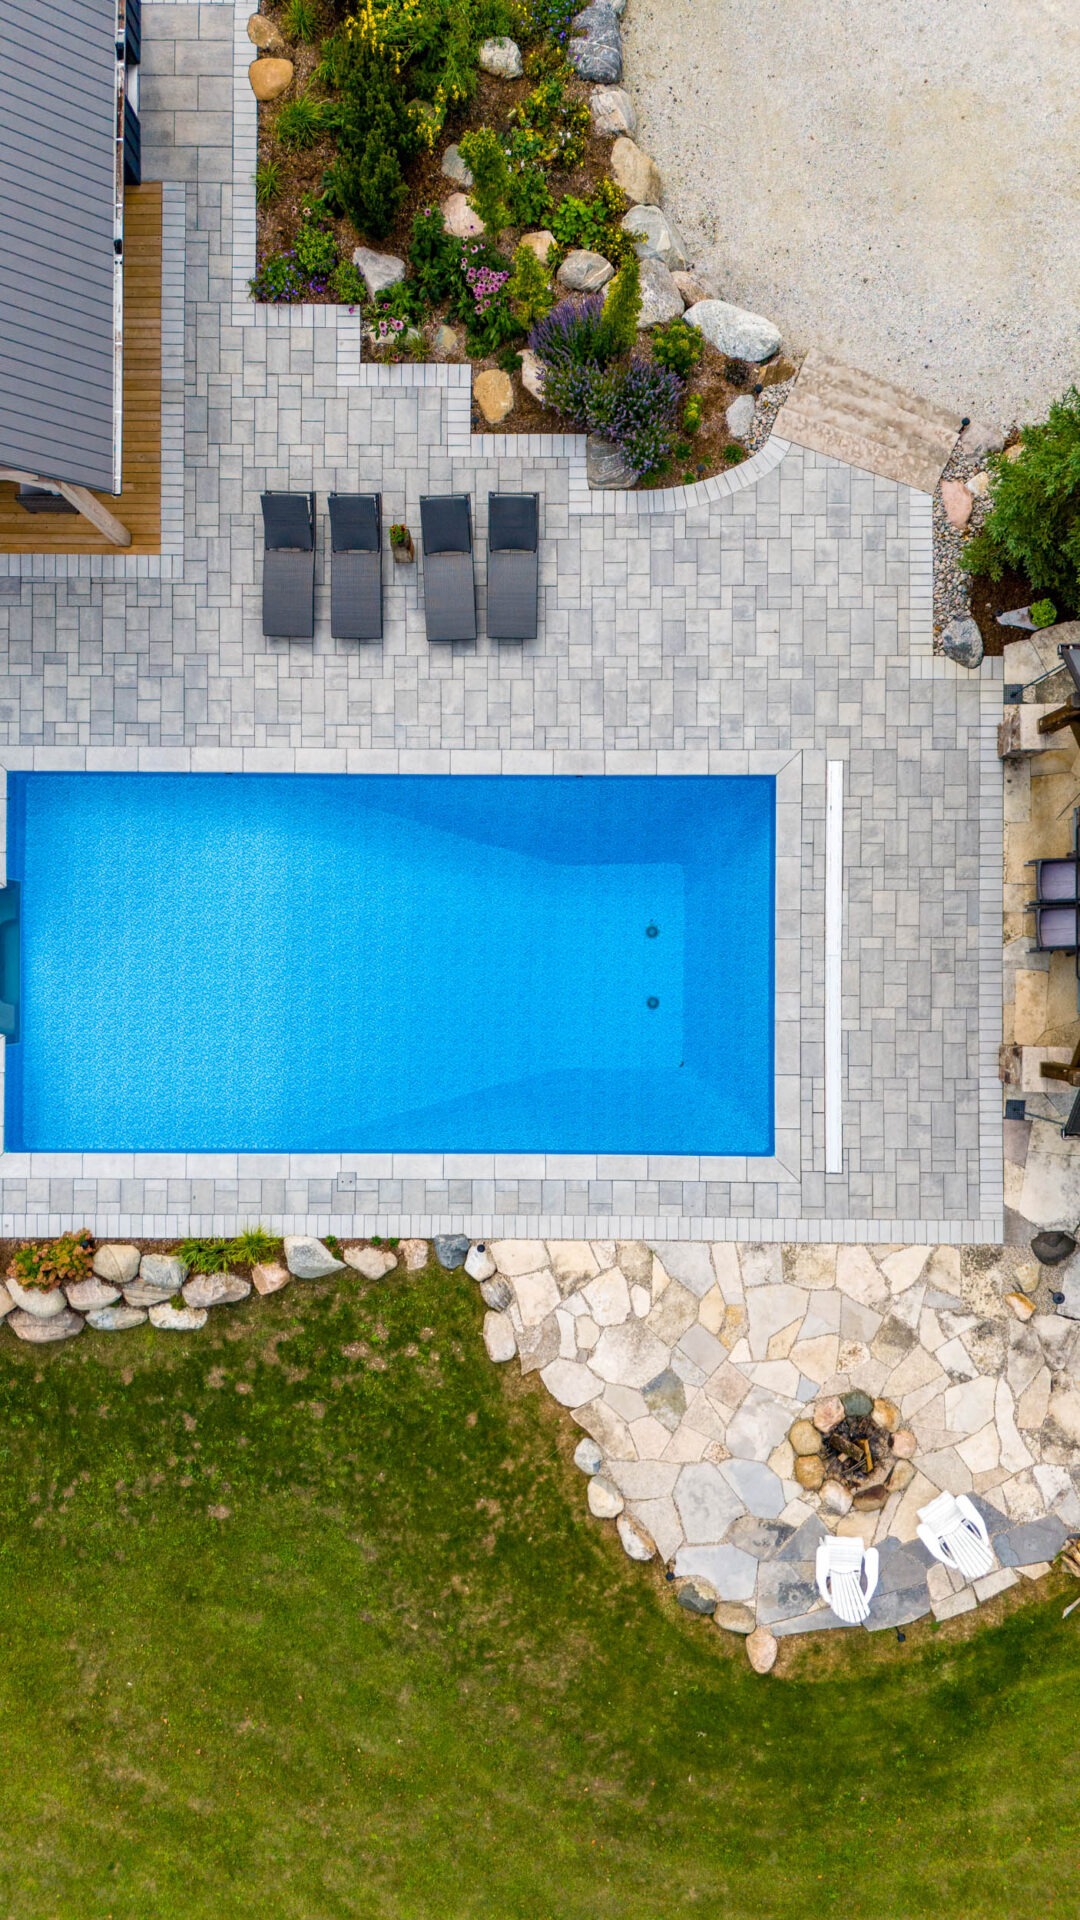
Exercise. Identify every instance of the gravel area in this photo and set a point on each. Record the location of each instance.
(891, 184)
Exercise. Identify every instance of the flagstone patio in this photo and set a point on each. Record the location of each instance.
(688, 1363)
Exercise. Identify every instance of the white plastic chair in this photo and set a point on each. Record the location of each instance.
(847, 1576)
(954, 1531)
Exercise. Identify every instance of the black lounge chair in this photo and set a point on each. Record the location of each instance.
(356, 566)
(513, 565)
(1056, 929)
(288, 598)
(449, 585)
(1071, 1129)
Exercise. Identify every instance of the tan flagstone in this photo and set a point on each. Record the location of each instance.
(811, 1266)
(917, 1369)
(513, 1257)
(906, 1517)
(930, 1330)
(651, 1439)
(780, 1345)
(711, 1310)
(943, 1270)
(537, 1295)
(1015, 1453)
(1022, 1497)
(858, 1276)
(987, 1482)
(725, 1259)
(851, 1354)
(858, 1526)
(776, 1376)
(661, 1278)
(707, 1416)
(981, 1452)
(608, 1297)
(671, 1315)
(685, 1444)
(970, 1405)
(782, 1460)
(1031, 1408)
(607, 1428)
(816, 1359)
(733, 1327)
(770, 1309)
(947, 1471)
(903, 1268)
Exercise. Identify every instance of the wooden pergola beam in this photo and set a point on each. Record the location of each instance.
(82, 500)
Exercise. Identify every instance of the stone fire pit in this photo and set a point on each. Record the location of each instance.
(853, 1452)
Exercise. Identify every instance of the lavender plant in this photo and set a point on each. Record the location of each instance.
(572, 334)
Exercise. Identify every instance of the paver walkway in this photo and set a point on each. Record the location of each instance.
(791, 618)
(688, 1364)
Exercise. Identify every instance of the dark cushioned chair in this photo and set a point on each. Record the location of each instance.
(513, 593)
(356, 611)
(449, 584)
(288, 596)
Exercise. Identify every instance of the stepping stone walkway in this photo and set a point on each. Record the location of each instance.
(853, 416)
(687, 1365)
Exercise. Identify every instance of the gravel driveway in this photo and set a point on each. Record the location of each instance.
(898, 185)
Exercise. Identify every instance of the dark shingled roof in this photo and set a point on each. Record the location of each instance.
(59, 373)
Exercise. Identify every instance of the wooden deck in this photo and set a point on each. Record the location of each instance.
(139, 504)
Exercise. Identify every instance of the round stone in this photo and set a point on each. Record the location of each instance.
(637, 1541)
(115, 1319)
(857, 1404)
(810, 1471)
(828, 1413)
(173, 1319)
(499, 1337)
(697, 1596)
(493, 392)
(88, 1295)
(605, 1500)
(962, 642)
(501, 57)
(116, 1264)
(870, 1499)
(41, 1303)
(587, 1456)
(305, 1257)
(459, 218)
(451, 1250)
(635, 172)
(903, 1443)
(372, 1263)
(887, 1414)
(761, 1650)
(496, 1293)
(902, 1475)
(215, 1290)
(269, 77)
(479, 1263)
(1052, 1248)
(38, 1332)
(805, 1438)
(455, 169)
(263, 34)
(734, 1617)
(835, 1497)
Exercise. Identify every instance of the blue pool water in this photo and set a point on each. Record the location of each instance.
(303, 964)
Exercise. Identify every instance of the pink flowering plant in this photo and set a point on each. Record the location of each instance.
(482, 299)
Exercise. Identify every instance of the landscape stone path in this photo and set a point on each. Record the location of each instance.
(687, 1364)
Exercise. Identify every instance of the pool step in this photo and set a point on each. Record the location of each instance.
(836, 409)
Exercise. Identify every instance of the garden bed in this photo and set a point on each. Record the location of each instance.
(503, 210)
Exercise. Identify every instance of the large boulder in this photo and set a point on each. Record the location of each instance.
(656, 237)
(761, 1650)
(172, 1318)
(6, 1301)
(454, 168)
(41, 1305)
(605, 1500)
(118, 1319)
(539, 241)
(584, 272)
(87, 1295)
(379, 270)
(38, 1332)
(270, 77)
(499, 1337)
(596, 48)
(695, 285)
(269, 1277)
(117, 1263)
(479, 1261)
(612, 112)
(734, 331)
(459, 218)
(496, 1293)
(263, 34)
(215, 1290)
(637, 1541)
(307, 1258)
(660, 297)
(502, 57)
(493, 392)
(606, 465)
(372, 1262)
(962, 641)
(451, 1250)
(740, 416)
(165, 1271)
(635, 172)
(414, 1255)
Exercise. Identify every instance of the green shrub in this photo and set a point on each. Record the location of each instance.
(204, 1256)
(376, 133)
(1034, 519)
(594, 224)
(557, 125)
(54, 1264)
(677, 345)
(622, 310)
(267, 182)
(527, 186)
(1043, 613)
(733, 453)
(693, 414)
(489, 195)
(301, 20)
(300, 123)
(482, 300)
(403, 301)
(527, 291)
(252, 1246)
(347, 284)
(315, 247)
(434, 258)
(279, 279)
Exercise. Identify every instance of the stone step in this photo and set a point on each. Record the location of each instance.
(836, 409)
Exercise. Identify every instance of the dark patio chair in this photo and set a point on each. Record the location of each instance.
(356, 566)
(1055, 880)
(513, 592)
(1055, 929)
(288, 597)
(1071, 1129)
(449, 583)
(1070, 660)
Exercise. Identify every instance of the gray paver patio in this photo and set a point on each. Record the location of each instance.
(779, 619)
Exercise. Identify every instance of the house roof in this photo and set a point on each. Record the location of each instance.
(59, 365)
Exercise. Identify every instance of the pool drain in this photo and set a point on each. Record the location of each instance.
(652, 1001)
(651, 932)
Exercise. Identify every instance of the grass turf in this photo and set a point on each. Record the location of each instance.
(304, 1616)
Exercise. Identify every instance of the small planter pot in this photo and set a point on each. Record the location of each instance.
(404, 552)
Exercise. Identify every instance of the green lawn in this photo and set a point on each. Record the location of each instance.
(401, 1672)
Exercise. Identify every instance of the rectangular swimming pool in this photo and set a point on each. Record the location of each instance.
(290, 963)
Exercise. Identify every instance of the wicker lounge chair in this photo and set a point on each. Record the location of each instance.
(356, 566)
(288, 598)
(449, 585)
(513, 588)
